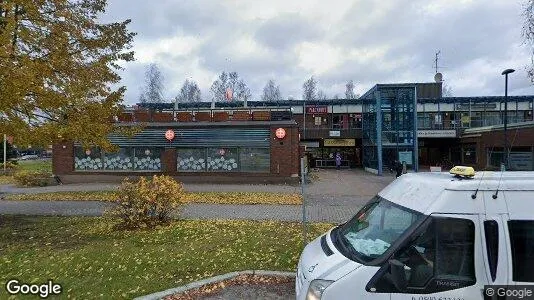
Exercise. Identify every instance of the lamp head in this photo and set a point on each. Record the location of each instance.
(508, 71)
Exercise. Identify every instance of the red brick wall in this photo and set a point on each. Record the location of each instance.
(523, 137)
(285, 152)
(168, 160)
(63, 160)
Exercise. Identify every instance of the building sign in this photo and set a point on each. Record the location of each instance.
(476, 106)
(405, 156)
(437, 119)
(310, 144)
(316, 109)
(339, 142)
(280, 133)
(335, 133)
(451, 133)
(169, 134)
(521, 161)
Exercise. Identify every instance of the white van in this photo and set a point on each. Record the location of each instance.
(427, 236)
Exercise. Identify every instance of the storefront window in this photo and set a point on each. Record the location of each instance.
(87, 159)
(147, 159)
(119, 161)
(469, 155)
(191, 160)
(495, 157)
(255, 159)
(222, 159)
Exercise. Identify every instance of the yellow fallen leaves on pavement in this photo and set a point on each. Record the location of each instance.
(190, 197)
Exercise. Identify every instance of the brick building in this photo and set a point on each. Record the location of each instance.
(207, 146)
(483, 147)
(424, 130)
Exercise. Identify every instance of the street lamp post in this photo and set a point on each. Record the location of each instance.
(505, 73)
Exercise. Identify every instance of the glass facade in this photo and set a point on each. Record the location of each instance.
(224, 159)
(191, 159)
(125, 159)
(200, 159)
(389, 127)
(121, 160)
(147, 159)
(255, 160)
(89, 159)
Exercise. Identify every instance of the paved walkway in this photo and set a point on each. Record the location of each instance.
(291, 213)
(334, 197)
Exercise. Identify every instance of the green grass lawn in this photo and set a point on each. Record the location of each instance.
(92, 260)
(35, 165)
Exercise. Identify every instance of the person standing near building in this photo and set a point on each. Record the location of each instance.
(398, 168)
(338, 161)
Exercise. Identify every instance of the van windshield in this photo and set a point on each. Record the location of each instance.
(373, 230)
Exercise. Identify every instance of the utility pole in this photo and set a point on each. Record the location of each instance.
(5, 154)
(506, 152)
(302, 184)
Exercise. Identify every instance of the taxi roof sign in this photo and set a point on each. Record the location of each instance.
(463, 171)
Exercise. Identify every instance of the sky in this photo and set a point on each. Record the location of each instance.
(367, 41)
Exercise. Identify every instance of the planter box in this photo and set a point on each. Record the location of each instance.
(435, 169)
(261, 115)
(125, 117)
(140, 116)
(203, 117)
(184, 117)
(220, 116)
(241, 116)
(162, 117)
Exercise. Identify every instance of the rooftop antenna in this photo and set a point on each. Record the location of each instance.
(436, 68)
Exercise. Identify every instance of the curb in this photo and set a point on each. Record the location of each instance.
(197, 284)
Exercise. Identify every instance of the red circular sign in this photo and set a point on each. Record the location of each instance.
(280, 133)
(169, 134)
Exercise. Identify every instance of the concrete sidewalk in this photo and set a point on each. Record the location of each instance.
(330, 183)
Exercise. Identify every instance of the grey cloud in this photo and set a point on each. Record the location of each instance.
(151, 22)
(484, 31)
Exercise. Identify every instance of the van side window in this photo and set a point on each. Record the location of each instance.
(491, 232)
(522, 244)
(439, 257)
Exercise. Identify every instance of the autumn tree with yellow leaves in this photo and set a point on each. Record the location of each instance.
(58, 66)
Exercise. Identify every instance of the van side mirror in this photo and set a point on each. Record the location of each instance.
(398, 275)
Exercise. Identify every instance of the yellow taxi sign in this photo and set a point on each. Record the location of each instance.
(463, 171)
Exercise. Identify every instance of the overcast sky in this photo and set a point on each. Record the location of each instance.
(368, 41)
